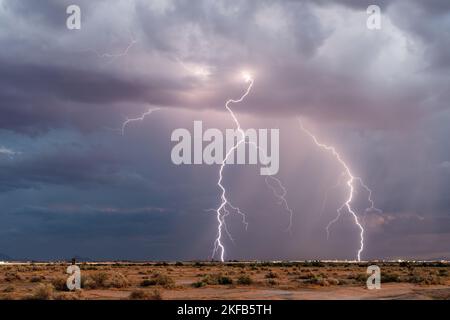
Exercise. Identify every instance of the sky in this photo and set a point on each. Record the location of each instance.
(72, 184)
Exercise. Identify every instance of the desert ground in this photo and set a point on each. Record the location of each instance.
(237, 280)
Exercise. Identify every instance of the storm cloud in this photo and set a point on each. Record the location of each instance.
(70, 183)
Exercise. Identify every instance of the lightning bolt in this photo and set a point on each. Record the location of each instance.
(225, 206)
(141, 118)
(222, 211)
(325, 199)
(281, 197)
(351, 190)
(114, 56)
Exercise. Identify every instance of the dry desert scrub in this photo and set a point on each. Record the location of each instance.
(245, 280)
(42, 292)
(144, 295)
(59, 284)
(158, 279)
(117, 280)
(9, 289)
(103, 280)
(213, 279)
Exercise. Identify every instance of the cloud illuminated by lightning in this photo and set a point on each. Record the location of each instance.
(200, 71)
(351, 190)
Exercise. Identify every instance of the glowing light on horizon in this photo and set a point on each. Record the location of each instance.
(201, 71)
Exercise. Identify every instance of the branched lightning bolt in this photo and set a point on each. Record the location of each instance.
(222, 211)
(114, 56)
(325, 199)
(350, 183)
(224, 226)
(369, 209)
(141, 118)
(281, 197)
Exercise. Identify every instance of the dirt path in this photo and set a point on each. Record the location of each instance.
(388, 291)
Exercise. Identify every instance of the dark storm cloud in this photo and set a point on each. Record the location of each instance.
(280, 40)
(434, 36)
(66, 172)
(63, 166)
(62, 232)
(90, 221)
(53, 96)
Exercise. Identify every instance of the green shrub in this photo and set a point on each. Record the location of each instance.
(245, 280)
(35, 279)
(389, 277)
(359, 277)
(271, 282)
(199, 284)
(428, 280)
(221, 279)
(158, 279)
(307, 275)
(333, 281)
(443, 273)
(271, 275)
(217, 279)
(317, 280)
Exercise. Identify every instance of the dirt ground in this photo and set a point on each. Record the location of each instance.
(250, 280)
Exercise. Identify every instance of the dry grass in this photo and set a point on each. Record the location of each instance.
(42, 292)
(212, 280)
(144, 295)
(245, 280)
(159, 279)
